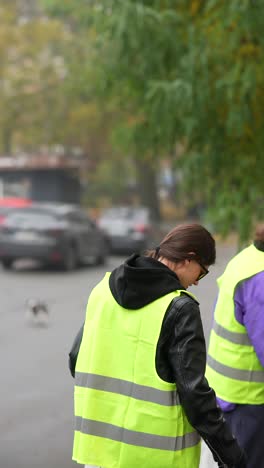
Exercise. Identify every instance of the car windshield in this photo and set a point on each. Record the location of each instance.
(4, 210)
(126, 213)
(34, 218)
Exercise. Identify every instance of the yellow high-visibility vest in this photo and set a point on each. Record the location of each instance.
(233, 368)
(126, 416)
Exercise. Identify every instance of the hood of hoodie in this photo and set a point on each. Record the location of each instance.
(141, 280)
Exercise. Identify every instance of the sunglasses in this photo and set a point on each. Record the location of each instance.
(203, 273)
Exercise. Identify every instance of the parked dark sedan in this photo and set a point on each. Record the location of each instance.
(52, 233)
(129, 228)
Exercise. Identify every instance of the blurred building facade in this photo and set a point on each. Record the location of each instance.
(50, 178)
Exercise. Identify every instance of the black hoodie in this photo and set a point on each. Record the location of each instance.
(180, 352)
(141, 280)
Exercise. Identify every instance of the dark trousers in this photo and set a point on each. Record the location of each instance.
(247, 425)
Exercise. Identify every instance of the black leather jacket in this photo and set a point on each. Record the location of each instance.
(181, 358)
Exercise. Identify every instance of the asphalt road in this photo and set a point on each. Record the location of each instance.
(36, 393)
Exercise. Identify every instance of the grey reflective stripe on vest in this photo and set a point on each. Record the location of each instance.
(140, 439)
(124, 387)
(237, 374)
(238, 338)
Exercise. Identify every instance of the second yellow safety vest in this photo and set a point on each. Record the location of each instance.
(233, 368)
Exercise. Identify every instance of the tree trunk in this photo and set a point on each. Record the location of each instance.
(147, 187)
(7, 141)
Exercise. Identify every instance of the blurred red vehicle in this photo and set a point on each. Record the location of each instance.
(6, 204)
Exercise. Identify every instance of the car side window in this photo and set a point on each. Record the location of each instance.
(72, 218)
(81, 218)
(88, 222)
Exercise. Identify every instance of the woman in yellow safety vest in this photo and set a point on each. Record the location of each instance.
(141, 397)
(235, 361)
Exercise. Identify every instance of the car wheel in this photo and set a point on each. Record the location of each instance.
(104, 253)
(100, 260)
(94, 260)
(70, 259)
(7, 263)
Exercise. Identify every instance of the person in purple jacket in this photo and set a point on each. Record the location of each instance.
(235, 363)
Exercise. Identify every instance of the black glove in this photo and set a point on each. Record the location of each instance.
(73, 354)
(242, 463)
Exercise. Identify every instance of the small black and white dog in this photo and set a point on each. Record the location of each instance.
(37, 312)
